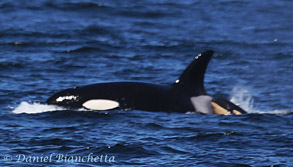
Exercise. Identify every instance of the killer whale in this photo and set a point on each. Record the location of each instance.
(186, 94)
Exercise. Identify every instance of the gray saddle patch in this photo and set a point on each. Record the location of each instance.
(202, 104)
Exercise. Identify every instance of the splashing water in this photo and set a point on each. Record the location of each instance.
(25, 107)
(242, 97)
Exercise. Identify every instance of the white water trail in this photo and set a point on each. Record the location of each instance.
(34, 108)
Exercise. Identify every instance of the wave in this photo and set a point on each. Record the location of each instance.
(10, 65)
(83, 49)
(75, 5)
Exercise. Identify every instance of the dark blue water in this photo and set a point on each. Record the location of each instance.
(47, 46)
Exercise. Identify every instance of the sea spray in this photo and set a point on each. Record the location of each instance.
(33, 108)
(242, 97)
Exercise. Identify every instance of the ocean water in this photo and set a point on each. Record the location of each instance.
(49, 45)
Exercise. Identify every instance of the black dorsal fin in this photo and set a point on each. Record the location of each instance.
(192, 79)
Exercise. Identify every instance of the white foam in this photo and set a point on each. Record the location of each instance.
(273, 112)
(33, 108)
(242, 97)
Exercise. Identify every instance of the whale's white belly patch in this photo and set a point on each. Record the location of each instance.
(100, 104)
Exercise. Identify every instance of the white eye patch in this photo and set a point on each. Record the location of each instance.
(202, 104)
(100, 104)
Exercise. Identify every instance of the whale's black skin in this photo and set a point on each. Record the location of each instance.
(175, 97)
(130, 95)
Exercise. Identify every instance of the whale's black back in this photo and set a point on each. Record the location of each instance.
(143, 96)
